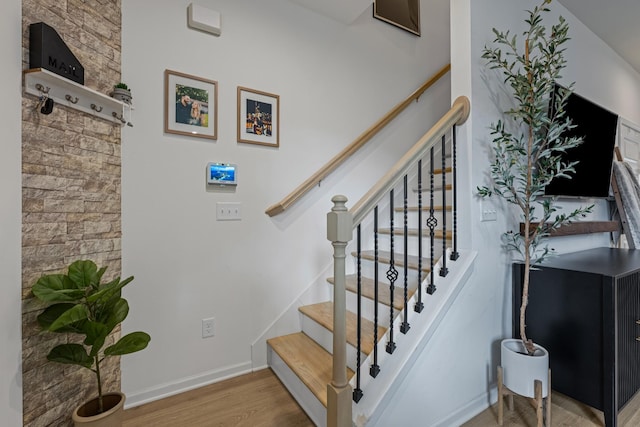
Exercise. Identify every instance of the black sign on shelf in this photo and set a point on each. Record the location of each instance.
(47, 50)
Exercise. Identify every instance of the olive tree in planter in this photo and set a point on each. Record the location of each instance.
(84, 306)
(528, 144)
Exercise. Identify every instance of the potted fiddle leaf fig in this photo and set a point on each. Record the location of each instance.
(82, 305)
(527, 146)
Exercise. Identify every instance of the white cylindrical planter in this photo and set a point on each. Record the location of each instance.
(521, 370)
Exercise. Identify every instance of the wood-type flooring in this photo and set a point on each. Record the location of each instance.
(259, 399)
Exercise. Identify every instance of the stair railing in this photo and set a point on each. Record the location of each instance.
(341, 224)
(352, 148)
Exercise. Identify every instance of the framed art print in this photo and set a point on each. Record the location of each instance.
(404, 14)
(191, 105)
(258, 117)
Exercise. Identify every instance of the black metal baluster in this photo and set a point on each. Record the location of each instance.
(392, 275)
(419, 306)
(374, 370)
(444, 270)
(404, 328)
(454, 252)
(357, 392)
(432, 222)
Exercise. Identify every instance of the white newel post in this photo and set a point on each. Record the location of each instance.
(339, 392)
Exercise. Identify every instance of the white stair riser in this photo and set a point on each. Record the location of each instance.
(426, 179)
(324, 337)
(412, 198)
(368, 270)
(412, 219)
(305, 398)
(426, 196)
(384, 244)
(367, 308)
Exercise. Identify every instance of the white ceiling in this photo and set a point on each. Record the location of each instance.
(616, 22)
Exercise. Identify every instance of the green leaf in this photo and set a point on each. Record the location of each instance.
(130, 343)
(96, 333)
(52, 313)
(109, 290)
(71, 354)
(75, 314)
(83, 274)
(117, 313)
(56, 288)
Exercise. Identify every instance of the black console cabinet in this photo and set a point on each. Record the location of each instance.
(584, 308)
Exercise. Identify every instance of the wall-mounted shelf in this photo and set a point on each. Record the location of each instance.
(43, 83)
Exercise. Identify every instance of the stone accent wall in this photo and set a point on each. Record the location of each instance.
(70, 198)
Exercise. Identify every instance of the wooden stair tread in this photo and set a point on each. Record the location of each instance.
(385, 257)
(399, 232)
(322, 313)
(438, 171)
(308, 360)
(368, 290)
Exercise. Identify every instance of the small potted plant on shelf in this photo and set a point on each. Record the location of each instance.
(84, 306)
(527, 150)
(122, 93)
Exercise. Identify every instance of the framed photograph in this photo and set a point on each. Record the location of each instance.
(404, 14)
(191, 105)
(258, 117)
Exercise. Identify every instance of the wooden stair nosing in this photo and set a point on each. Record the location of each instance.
(399, 232)
(385, 258)
(322, 313)
(308, 360)
(438, 171)
(384, 293)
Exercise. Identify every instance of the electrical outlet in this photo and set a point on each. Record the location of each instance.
(208, 327)
(228, 211)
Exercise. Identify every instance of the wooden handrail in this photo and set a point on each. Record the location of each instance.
(457, 115)
(348, 151)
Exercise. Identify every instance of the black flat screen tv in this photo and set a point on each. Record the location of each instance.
(597, 126)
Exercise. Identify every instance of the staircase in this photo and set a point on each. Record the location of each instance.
(394, 296)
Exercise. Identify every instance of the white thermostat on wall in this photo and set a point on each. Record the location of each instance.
(222, 174)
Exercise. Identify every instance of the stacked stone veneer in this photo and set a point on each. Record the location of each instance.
(70, 198)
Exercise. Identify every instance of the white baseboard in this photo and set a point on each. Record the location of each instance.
(186, 384)
(470, 410)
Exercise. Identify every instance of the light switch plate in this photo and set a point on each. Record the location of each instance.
(489, 213)
(228, 211)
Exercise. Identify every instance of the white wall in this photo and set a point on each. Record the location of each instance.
(10, 220)
(334, 81)
(465, 350)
